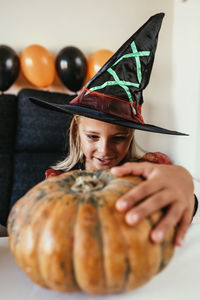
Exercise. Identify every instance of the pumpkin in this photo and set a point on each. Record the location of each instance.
(66, 234)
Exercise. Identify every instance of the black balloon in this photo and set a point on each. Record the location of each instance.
(9, 67)
(71, 66)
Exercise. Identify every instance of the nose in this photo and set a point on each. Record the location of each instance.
(103, 147)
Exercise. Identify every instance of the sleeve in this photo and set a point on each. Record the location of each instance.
(196, 204)
(157, 158)
(52, 172)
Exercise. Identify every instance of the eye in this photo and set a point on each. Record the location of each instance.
(92, 136)
(119, 138)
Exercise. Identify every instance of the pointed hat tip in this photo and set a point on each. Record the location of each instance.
(161, 15)
(156, 18)
(148, 30)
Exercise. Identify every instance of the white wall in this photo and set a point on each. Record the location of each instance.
(172, 97)
(89, 25)
(186, 85)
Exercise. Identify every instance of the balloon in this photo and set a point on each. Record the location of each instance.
(71, 66)
(9, 67)
(38, 65)
(97, 60)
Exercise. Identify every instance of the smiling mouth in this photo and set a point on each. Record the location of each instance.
(104, 161)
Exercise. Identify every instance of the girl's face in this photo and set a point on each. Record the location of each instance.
(104, 145)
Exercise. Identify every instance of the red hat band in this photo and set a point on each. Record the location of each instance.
(109, 105)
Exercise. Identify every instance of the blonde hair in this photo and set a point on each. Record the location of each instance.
(76, 155)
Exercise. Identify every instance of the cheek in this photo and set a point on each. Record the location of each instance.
(124, 147)
(86, 146)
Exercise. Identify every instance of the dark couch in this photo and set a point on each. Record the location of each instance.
(31, 139)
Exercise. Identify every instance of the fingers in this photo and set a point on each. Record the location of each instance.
(183, 227)
(175, 215)
(147, 207)
(153, 204)
(165, 186)
(168, 222)
(142, 169)
(143, 190)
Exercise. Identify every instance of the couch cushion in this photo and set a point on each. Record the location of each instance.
(8, 119)
(29, 169)
(32, 138)
(8, 122)
(38, 128)
(6, 165)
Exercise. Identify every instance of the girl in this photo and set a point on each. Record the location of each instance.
(106, 113)
(98, 145)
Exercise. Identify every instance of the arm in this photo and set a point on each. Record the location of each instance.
(161, 158)
(166, 186)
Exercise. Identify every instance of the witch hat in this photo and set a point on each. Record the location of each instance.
(114, 94)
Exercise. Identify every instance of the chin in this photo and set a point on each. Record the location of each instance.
(104, 167)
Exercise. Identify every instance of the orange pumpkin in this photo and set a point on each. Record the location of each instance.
(66, 234)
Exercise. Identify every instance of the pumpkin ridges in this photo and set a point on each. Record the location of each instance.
(166, 246)
(21, 221)
(88, 249)
(16, 218)
(165, 252)
(88, 214)
(125, 184)
(122, 185)
(167, 249)
(143, 264)
(55, 249)
(30, 234)
(23, 210)
(113, 246)
(23, 207)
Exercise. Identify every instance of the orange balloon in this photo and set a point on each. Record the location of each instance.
(38, 65)
(97, 60)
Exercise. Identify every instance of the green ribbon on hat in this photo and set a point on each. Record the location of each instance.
(125, 84)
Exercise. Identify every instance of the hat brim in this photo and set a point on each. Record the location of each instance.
(93, 114)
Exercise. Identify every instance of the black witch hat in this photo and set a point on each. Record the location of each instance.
(114, 94)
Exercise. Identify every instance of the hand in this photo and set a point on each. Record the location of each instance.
(166, 186)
